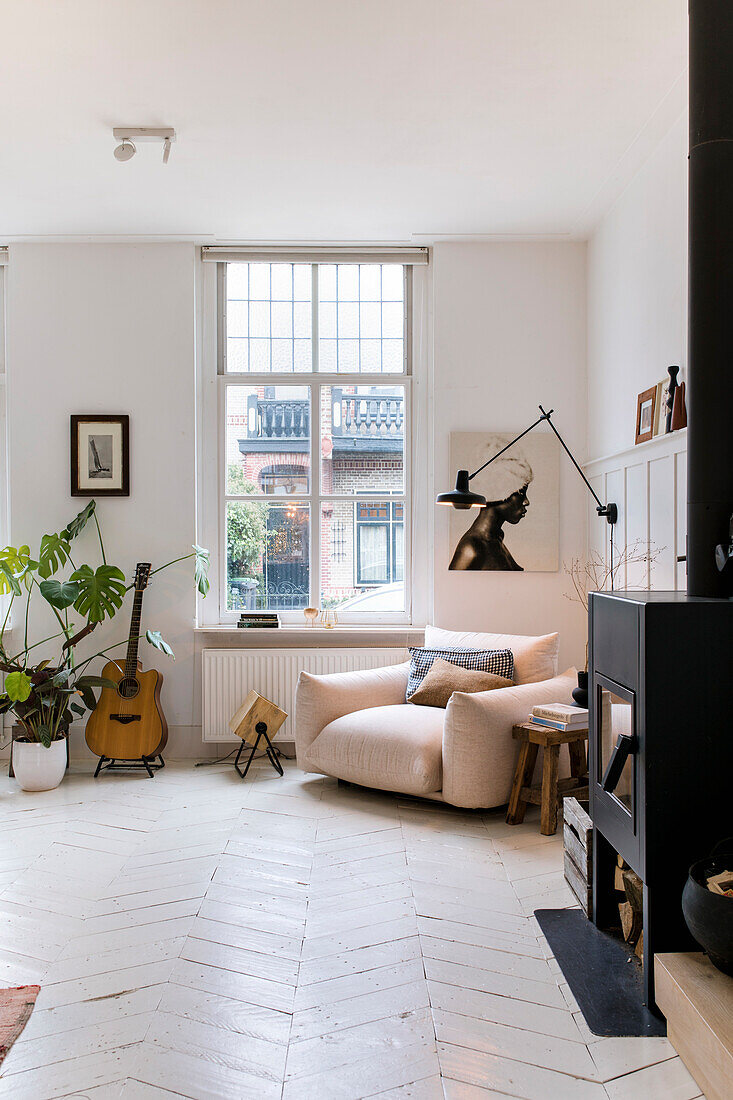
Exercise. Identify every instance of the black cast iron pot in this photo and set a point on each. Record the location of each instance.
(709, 916)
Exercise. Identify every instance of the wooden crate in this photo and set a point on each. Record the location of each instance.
(578, 844)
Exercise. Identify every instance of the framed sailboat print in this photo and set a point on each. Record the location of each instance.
(100, 456)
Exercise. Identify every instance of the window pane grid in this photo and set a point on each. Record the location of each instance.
(269, 318)
(361, 318)
(295, 318)
(339, 542)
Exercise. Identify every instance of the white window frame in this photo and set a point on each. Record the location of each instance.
(4, 458)
(4, 482)
(212, 520)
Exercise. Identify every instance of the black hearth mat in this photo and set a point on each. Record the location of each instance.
(604, 976)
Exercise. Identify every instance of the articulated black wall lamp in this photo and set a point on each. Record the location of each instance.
(462, 497)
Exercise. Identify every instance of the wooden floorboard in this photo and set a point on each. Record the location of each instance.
(199, 936)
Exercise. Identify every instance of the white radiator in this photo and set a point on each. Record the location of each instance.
(228, 674)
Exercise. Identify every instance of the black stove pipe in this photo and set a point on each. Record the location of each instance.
(710, 339)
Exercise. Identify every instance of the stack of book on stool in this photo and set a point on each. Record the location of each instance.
(559, 716)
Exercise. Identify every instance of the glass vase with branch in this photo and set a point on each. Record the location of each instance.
(45, 696)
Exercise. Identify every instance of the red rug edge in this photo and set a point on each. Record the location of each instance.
(16, 1005)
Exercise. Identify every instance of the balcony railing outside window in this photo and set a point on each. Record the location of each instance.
(277, 418)
(352, 415)
(366, 415)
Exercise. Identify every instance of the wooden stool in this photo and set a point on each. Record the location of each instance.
(256, 719)
(548, 794)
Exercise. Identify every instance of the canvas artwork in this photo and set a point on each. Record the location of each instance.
(100, 456)
(519, 527)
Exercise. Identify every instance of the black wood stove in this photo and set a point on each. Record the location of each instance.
(661, 750)
(661, 663)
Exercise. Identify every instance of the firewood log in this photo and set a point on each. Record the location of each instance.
(634, 889)
(631, 922)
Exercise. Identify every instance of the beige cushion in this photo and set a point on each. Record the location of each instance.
(395, 748)
(535, 657)
(444, 678)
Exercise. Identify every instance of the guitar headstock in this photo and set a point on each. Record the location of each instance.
(142, 575)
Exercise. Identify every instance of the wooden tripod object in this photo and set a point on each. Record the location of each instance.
(257, 719)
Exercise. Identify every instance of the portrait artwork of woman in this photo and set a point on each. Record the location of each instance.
(483, 546)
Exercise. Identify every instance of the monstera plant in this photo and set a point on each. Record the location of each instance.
(45, 696)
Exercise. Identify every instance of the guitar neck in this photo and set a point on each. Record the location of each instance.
(132, 644)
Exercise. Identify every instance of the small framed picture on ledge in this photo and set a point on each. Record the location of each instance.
(645, 406)
(100, 456)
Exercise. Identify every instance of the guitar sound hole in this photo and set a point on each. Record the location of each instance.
(128, 687)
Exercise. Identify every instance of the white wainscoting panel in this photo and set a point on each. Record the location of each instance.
(228, 674)
(662, 520)
(636, 512)
(649, 485)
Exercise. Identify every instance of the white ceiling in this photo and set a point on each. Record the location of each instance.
(331, 119)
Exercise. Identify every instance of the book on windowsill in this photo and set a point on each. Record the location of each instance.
(564, 727)
(259, 619)
(561, 712)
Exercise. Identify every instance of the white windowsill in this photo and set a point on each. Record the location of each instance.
(291, 634)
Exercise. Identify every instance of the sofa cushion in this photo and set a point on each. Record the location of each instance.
(395, 748)
(535, 656)
(444, 678)
(498, 661)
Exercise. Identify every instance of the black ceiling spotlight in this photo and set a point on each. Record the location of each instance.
(462, 497)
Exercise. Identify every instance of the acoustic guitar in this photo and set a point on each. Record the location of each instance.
(128, 722)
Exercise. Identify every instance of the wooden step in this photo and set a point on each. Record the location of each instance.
(697, 1000)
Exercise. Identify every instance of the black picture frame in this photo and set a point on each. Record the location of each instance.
(108, 456)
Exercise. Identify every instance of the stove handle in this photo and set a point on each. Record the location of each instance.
(625, 747)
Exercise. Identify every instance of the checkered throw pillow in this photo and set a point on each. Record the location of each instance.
(498, 661)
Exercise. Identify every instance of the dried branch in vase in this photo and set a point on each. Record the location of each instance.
(596, 574)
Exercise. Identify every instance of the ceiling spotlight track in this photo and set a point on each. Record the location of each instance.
(126, 149)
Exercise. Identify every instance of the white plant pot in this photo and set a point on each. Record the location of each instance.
(38, 768)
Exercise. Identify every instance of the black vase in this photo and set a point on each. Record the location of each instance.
(709, 916)
(580, 693)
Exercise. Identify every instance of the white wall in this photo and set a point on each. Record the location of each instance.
(637, 327)
(509, 324)
(112, 328)
(96, 328)
(637, 294)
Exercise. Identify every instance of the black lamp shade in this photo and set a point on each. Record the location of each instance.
(461, 497)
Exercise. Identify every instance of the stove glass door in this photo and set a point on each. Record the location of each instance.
(615, 709)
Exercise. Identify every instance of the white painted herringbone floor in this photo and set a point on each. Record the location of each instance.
(204, 937)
